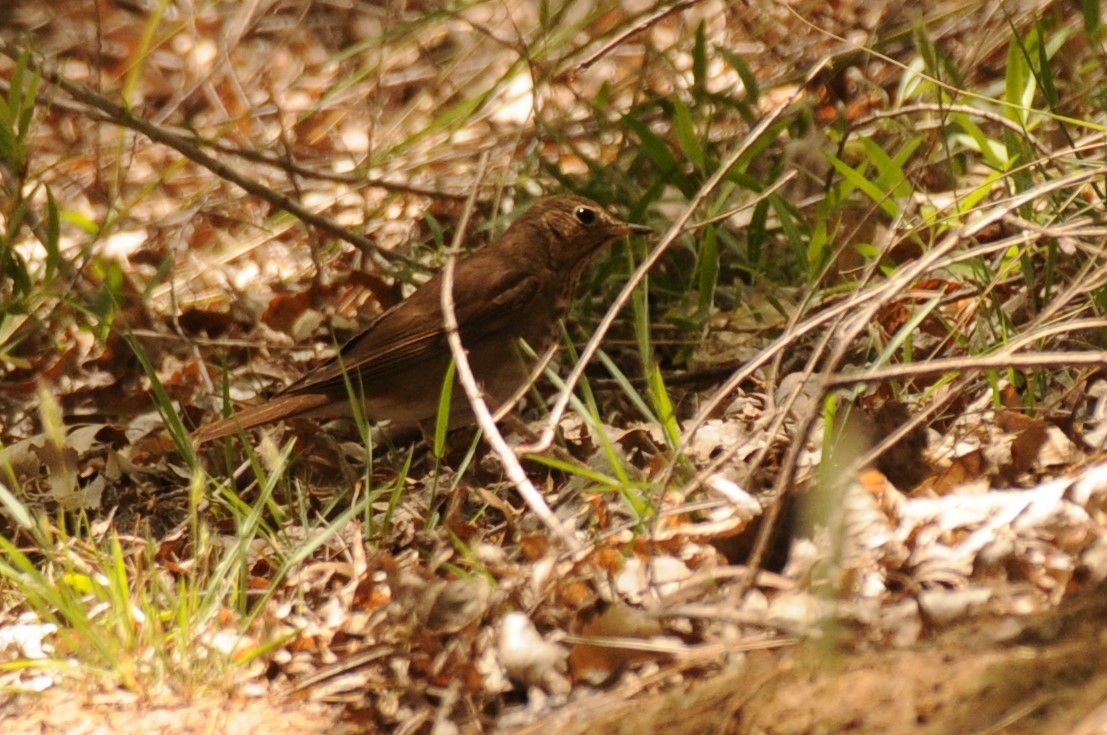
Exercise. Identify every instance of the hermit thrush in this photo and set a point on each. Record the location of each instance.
(517, 288)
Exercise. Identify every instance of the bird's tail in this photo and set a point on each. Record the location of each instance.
(275, 409)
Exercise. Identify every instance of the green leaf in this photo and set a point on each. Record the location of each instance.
(891, 176)
(818, 248)
(699, 64)
(571, 468)
(969, 201)
(861, 182)
(627, 387)
(17, 511)
(442, 419)
(686, 134)
(749, 79)
(658, 151)
(788, 224)
(905, 332)
(53, 235)
(757, 232)
(1045, 76)
(163, 402)
(1092, 16)
(663, 406)
(1020, 83)
(995, 152)
(708, 267)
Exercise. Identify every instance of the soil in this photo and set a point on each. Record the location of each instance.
(1043, 676)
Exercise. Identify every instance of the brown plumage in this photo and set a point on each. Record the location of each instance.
(518, 287)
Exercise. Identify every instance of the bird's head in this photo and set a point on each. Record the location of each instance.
(569, 230)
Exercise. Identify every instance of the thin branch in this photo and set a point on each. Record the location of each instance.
(621, 38)
(125, 117)
(1002, 361)
(995, 117)
(465, 377)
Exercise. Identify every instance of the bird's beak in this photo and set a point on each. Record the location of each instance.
(638, 230)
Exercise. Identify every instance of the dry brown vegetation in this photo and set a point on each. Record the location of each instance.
(836, 467)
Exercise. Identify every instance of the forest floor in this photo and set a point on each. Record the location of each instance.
(836, 466)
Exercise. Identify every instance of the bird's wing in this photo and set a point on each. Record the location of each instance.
(405, 335)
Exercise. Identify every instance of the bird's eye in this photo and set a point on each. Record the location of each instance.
(585, 215)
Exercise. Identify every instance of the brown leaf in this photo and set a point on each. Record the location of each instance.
(964, 469)
(598, 662)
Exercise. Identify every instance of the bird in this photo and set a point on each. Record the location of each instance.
(517, 288)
